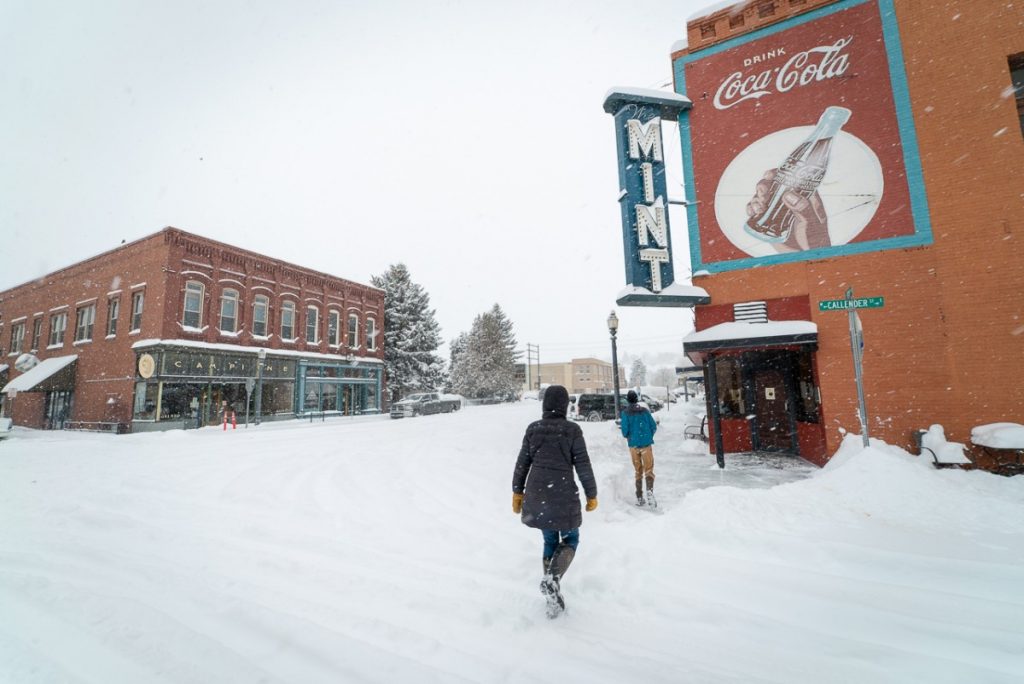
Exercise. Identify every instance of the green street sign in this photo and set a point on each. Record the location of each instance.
(845, 304)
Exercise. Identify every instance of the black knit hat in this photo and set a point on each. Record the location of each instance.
(556, 401)
(631, 397)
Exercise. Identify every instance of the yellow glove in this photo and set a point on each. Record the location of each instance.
(591, 504)
(517, 502)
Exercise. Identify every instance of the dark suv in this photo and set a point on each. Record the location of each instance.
(595, 407)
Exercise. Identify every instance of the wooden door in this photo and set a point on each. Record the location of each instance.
(772, 422)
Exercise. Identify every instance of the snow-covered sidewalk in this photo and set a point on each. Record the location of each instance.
(374, 550)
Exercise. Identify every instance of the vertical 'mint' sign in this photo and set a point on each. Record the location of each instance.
(646, 238)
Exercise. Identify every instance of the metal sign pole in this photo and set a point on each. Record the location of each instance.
(855, 343)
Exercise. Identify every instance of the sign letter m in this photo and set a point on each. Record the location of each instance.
(644, 138)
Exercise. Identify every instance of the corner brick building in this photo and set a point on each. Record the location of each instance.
(167, 331)
(921, 202)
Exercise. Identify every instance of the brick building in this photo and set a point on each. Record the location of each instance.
(578, 375)
(165, 332)
(872, 145)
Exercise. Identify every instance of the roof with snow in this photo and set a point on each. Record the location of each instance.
(31, 380)
(738, 335)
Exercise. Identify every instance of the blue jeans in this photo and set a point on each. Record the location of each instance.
(553, 537)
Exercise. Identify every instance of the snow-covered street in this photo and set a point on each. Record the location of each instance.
(373, 550)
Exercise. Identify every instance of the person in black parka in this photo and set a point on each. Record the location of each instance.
(544, 487)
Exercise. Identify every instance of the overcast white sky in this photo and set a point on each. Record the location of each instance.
(465, 139)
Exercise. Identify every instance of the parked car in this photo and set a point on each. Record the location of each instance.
(425, 403)
(595, 407)
(6, 428)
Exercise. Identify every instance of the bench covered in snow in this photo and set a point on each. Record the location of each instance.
(1003, 445)
(944, 454)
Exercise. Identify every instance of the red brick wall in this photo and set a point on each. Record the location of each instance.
(218, 266)
(948, 345)
(103, 391)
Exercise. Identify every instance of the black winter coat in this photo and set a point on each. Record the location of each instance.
(552, 448)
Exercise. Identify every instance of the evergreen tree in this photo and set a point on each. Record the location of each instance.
(638, 373)
(484, 360)
(456, 369)
(411, 334)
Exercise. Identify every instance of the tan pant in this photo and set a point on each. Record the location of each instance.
(643, 464)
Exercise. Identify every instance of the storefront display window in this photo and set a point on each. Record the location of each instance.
(146, 394)
(730, 388)
(807, 402)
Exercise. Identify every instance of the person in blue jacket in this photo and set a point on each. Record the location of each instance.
(638, 427)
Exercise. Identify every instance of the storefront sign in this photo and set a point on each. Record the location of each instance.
(802, 144)
(147, 366)
(643, 200)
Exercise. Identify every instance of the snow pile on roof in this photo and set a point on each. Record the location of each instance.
(649, 94)
(999, 435)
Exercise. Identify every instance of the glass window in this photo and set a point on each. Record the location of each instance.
(260, 309)
(113, 310)
(192, 309)
(371, 334)
(37, 332)
(312, 324)
(229, 311)
(138, 300)
(730, 388)
(1017, 80)
(17, 337)
(333, 328)
(85, 317)
(807, 405)
(58, 323)
(353, 331)
(287, 320)
(145, 400)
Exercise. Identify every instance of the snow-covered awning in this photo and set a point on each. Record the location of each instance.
(45, 376)
(740, 335)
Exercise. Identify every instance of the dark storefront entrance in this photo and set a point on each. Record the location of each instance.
(762, 387)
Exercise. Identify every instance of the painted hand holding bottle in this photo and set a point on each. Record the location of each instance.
(771, 216)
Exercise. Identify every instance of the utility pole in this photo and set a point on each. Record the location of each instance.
(532, 353)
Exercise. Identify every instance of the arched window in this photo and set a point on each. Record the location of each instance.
(371, 334)
(260, 311)
(229, 311)
(287, 320)
(353, 331)
(333, 328)
(312, 324)
(192, 316)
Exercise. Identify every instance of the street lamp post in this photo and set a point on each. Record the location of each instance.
(613, 328)
(261, 356)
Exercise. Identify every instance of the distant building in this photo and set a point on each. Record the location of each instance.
(578, 375)
(167, 332)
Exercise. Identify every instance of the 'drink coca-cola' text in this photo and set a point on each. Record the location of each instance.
(816, 64)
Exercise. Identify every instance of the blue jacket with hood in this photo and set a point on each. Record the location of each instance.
(638, 426)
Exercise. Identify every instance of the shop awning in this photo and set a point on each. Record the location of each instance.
(46, 376)
(742, 335)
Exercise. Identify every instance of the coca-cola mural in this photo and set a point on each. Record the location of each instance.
(800, 143)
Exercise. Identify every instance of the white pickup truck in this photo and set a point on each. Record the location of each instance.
(425, 403)
(6, 428)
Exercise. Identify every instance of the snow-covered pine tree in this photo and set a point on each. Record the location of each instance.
(483, 361)
(411, 334)
(638, 373)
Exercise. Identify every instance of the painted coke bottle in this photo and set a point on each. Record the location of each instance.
(801, 173)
